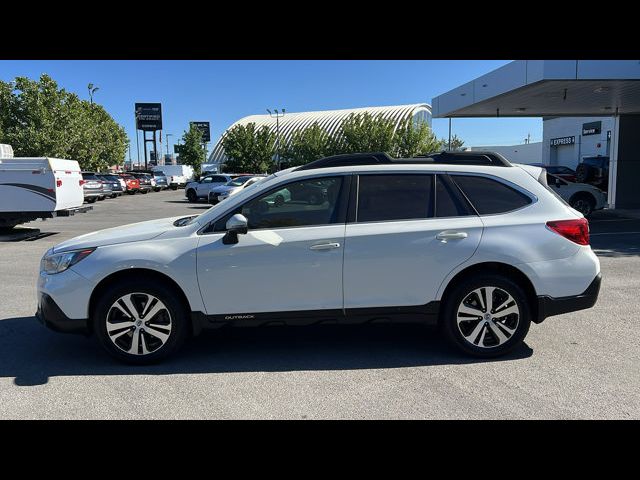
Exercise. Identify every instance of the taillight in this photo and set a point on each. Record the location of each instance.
(59, 182)
(82, 182)
(575, 230)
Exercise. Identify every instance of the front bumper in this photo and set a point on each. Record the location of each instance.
(50, 315)
(549, 306)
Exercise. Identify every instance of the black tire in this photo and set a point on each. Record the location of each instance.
(131, 192)
(92, 199)
(174, 187)
(192, 196)
(584, 203)
(449, 324)
(144, 192)
(157, 189)
(584, 173)
(179, 320)
(114, 195)
(101, 198)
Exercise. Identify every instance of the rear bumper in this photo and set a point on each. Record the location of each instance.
(549, 306)
(50, 315)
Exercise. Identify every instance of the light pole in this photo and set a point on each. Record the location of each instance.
(277, 116)
(168, 135)
(92, 89)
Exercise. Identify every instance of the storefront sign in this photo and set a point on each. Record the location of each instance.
(591, 128)
(563, 141)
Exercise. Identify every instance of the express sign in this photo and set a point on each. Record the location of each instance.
(563, 141)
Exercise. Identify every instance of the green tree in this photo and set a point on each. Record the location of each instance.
(456, 143)
(413, 139)
(39, 119)
(364, 132)
(192, 152)
(249, 149)
(308, 145)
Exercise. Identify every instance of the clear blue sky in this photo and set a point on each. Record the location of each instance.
(222, 92)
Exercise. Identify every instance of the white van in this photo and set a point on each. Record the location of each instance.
(42, 187)
(177, 175)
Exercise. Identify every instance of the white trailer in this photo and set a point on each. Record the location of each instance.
(32, 188)
(177, 175)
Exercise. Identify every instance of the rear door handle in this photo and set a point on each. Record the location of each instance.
(325, 246)
(451, 235)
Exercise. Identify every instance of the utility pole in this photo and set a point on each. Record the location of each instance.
(168, 135)
(449, 133)
(277, 116)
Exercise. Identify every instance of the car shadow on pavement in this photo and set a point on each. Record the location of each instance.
(32, 354)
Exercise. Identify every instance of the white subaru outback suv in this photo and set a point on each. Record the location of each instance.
(466, 241)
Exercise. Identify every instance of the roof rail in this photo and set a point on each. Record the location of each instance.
(381, 158)
(348, 160)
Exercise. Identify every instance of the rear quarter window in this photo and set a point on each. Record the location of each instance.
(490, 196)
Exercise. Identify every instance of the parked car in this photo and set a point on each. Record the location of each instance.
(561, 171)
(594, 171)
(465, 241)
(217, 194)
(161, 180)
(92, 187)
(583, 197)
(132, 183)
(145, 181)
(112, 182)
(194, 191)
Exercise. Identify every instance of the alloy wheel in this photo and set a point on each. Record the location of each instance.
(488, 317)
(139, 323)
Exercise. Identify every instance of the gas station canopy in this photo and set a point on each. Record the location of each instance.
(541, 88)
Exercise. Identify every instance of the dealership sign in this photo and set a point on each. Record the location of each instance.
(204, 128)
(591, 128)
(563, 141)
(148, 116)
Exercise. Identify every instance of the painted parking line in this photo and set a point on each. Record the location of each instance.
(614, 233)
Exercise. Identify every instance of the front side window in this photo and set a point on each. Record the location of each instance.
(206, 180)
(394, 197)
(297, 204)
(490, 196)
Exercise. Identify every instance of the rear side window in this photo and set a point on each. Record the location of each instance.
(489, 196)
(449, 202)
(394, 197)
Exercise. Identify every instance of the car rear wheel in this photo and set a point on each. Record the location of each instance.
(584, 173)
(144, 192)
(174, 187)
(92, 199)
(140, 324)
(192, 196)
(583, 203)
(486, 315)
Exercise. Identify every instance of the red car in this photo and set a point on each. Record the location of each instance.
(133, 184)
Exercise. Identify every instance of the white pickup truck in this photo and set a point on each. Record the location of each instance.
(42, 187)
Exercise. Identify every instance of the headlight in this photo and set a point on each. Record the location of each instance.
(59, 262)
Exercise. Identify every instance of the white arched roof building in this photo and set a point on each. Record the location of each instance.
(330, 120)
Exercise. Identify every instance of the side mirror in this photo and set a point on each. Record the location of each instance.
(237, 224)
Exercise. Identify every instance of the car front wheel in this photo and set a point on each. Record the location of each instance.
(192, 196)
(140, 324)
(486, 315)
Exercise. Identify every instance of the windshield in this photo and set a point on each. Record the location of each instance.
(238, 181)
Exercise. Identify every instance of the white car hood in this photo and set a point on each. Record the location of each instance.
(224, 189)
(133, 232)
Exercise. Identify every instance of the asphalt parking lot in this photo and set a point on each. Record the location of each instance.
(580, 365)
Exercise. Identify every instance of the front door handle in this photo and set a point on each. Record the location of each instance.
(325, 246)
(451, 235)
